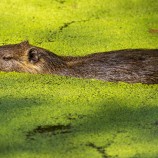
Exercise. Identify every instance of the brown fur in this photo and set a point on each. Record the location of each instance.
(133, 65)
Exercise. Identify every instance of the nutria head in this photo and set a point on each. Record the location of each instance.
(24, 57)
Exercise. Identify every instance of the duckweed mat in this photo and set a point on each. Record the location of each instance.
(45, 116)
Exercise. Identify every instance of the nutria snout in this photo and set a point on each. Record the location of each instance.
(132, 65)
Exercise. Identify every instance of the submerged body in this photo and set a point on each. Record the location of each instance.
(133, 65)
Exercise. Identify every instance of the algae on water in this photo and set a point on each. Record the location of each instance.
(69, 117)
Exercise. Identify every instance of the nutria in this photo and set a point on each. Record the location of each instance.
(130, 65)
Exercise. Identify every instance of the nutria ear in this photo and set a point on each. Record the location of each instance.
(33, 55)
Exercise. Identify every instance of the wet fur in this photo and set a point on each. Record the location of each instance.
(132, 65)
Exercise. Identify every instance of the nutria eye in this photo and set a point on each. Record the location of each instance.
(7, 58)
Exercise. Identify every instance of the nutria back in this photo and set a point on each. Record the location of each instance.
(132, 65)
